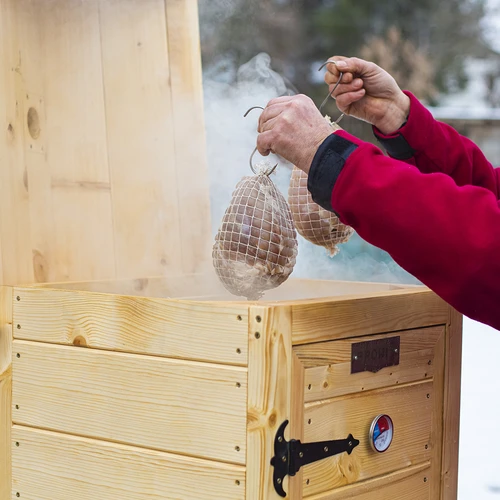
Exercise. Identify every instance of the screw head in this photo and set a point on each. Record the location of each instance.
(280, 439)
(301, 455)
(278, 480)
(355, 358)
(283, 458)
(325, 449)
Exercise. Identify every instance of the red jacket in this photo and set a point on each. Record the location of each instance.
(435, 209)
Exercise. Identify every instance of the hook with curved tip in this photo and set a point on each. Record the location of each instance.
(333, 90)
(255, 150)
(254, 107)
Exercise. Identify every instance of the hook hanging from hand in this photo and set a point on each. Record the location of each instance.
(333, 90)
(268, 173)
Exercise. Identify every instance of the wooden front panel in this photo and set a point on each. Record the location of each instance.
(53, 466)
(201, 332)
(346, 317)
(5, 391)
(195, 409)
(328, 365)
(408, 484)
(337, 403)
(410, 408)
(102, 110)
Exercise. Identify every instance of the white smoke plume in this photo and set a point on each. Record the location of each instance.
(229, 92)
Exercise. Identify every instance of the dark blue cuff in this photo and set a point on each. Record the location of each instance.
(397, 147)
(325, 169)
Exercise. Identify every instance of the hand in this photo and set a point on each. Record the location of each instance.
(293, 128)
(368, 92)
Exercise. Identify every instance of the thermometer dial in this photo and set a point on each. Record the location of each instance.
(381, 433)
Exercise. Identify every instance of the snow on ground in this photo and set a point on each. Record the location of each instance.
(479, 469)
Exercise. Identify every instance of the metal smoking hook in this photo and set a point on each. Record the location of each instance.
(333, 90)
(255, 150)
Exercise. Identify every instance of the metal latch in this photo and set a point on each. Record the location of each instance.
(290, 456)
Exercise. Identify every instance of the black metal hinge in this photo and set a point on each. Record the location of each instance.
(290, 456)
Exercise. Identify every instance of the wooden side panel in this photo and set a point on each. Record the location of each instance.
(93, 142)
(189, 131)
(15, 243)
(52, 466)
(355, 316)
(269, 394)
(5, 391)
(195, 409)
(328, 364)
(410, 408)
(409, 484)
(139, 106)
(134, 324)
(451, 413)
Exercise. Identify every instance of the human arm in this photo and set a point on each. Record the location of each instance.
(446, 235)
(405, 128)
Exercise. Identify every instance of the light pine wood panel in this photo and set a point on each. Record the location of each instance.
(93, 189)
(270, 368)
(436, 442)
(138, 97)
(297, 424)
(135, 324)
(189, 132)
(451, 411)
(77, 237)
(352, 316)
(15, 225)
(409, 484)
(5, 391)
(195, 409)
(52, 466)
(328, 364)
(411, 411)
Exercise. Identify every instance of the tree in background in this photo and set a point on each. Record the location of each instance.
(423, 43)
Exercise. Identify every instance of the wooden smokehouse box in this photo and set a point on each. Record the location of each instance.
(135, 390)
(113, 388)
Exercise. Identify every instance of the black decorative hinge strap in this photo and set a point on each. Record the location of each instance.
(290, 456)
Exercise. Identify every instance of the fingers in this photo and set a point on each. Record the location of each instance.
(277, 106)
(265, 142)
(270, 113)
(343, 88)
(345, 100)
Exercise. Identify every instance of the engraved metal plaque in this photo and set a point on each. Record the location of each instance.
(373, 355)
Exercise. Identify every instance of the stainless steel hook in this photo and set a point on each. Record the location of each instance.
(268, 173)
(333, 90)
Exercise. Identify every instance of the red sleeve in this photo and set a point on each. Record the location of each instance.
(433, 146)
(446, 235)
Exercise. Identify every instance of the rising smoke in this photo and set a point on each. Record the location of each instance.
(229, 92)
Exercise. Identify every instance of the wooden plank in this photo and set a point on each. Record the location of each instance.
(52, 466)
(436, 441)
(184, 407)
(297, 423)
(189, 132)
(77, 241)
(14, 197)
(328, 364)
(269, 394)
(410, 408)
(134, 324)
(136, 74)
(5, 391)
(451, 413)
(408, 484)
(382, 312)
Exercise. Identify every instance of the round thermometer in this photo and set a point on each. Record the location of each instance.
(381, 433)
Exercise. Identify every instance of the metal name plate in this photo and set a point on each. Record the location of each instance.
(374, 355)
